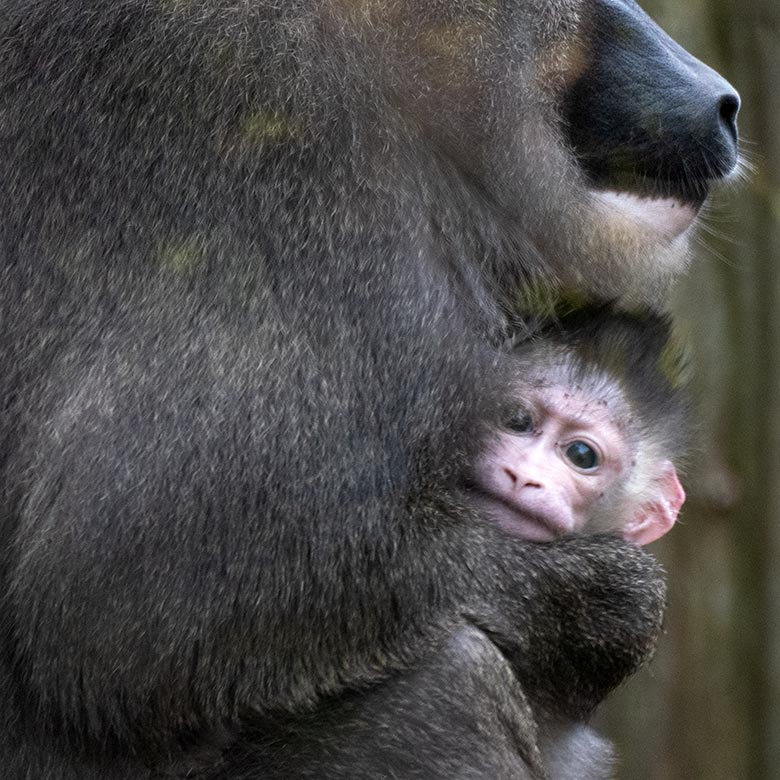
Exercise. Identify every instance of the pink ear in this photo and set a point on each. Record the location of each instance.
(657, 515)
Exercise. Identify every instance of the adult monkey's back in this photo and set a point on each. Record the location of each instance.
(252, 258)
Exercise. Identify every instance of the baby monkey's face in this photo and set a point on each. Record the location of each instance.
(555, 464)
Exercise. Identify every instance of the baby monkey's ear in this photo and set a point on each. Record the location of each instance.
(657, 514)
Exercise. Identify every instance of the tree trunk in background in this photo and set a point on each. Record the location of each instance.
(708, 708)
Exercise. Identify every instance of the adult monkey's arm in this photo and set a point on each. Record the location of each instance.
(593, 620)
(469, 711)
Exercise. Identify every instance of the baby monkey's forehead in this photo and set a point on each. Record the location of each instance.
(594, 401)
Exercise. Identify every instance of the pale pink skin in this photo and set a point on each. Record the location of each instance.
(526, 483)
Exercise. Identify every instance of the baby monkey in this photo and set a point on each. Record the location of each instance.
(591, 445)
(598, 420)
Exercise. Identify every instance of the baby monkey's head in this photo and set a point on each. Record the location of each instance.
(597, 420)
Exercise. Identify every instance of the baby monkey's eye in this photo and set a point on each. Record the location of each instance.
(582, 455)
(520, 422)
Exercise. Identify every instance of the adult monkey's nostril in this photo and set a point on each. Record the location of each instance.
(729, 108)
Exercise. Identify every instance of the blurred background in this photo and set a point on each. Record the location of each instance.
(708, 708)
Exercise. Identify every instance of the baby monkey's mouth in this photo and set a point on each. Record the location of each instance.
(517, 519)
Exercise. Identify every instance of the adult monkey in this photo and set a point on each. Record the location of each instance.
(252, 258)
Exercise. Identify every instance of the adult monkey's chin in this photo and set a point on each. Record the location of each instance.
(669, 217)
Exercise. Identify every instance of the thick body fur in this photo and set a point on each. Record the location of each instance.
(253, 259)
(461, 713)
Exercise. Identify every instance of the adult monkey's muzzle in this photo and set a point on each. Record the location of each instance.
(644, 116)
